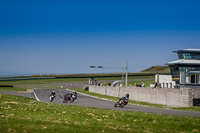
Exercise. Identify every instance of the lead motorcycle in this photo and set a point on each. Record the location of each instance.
(121, 103)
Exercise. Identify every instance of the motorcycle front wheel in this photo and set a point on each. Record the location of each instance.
(116, 104)
(50, 99)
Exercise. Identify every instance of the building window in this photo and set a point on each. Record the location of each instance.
(187, 55)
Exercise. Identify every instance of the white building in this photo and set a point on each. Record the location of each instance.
(166, 81)
(185, 72)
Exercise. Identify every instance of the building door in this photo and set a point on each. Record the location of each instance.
(170, 85)
(192, 75)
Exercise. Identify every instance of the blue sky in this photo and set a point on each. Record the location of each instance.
(46, 36)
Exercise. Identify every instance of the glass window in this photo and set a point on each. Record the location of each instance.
(180, 55)
(188, 55)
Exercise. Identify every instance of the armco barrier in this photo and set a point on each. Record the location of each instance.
(167, 96)
(29, 78)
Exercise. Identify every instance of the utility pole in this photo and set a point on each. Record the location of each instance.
(158, 84)
(126, 72)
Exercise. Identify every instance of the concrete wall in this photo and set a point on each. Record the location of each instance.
(171, 97)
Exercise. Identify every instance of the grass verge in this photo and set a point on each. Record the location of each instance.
(20, 114)
(12, 89)
(63, 80)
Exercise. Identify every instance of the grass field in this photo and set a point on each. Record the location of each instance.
(12, 89)
(66, 80)
(42, 81)
(20, 114)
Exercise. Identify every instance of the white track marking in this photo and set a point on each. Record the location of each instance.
(35, 95)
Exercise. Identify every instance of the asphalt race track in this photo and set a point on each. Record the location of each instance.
(89, 101)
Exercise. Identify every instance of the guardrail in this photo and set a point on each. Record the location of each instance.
(28, 78)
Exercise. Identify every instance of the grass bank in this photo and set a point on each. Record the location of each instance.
(12, 89)
(20, 114)
(50, 82)
(66, 80)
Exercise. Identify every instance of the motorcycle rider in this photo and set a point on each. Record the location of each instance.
(68, 95)
(53, 93)
(52, 96)
(124, 98)
(75, 94)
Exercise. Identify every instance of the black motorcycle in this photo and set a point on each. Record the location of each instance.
(121, 103)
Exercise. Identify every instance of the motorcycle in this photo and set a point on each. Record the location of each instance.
(121, 103)
(70, 98)
(66, 98)
(51, 98)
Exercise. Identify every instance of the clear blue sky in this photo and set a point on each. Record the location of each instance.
(67, 36)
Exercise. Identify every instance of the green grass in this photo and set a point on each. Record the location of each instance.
(20, 114)
(12, 89)
(63, 80)
(155, 69)
(42, 81)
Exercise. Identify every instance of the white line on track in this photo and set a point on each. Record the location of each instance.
(35, 95)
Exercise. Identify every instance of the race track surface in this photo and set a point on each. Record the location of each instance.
(89, 101)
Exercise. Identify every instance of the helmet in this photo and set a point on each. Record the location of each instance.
(127, 95)
(53, 91)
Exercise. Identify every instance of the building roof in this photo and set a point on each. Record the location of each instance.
(185, 62)
(187, 50)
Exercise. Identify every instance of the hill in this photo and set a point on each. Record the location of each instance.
(155, 69)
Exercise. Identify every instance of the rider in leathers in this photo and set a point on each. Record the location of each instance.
(53, 93)
(69, 94)
(125, 98)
